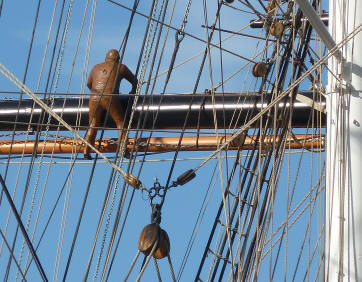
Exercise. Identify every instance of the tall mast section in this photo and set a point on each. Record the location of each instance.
(343, 229)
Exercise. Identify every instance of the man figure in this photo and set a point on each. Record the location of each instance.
(105, 79)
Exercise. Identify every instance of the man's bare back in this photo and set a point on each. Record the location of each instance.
(105, 78)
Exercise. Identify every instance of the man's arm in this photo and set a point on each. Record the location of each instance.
(129, 76)
(90, 80)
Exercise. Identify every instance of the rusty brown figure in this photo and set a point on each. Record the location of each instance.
(105, 78)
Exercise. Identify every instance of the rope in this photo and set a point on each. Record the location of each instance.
(12, 141)
(148, 48)
(258, 210)
(171, 267)
(13, 79)
(197, 54)
(285, 92)
(79, 219)
(88, 46)
(124, 43)
(77, 47)
(57, 135)
(52, 211)
(197, 224)
(162, 49)
(191, 102)
(12, 255)
(106, 228)
(48, 122)
(62, 228)
(157, 270)
(62, 46)
(118, 216)
(35, 190)
(179, 36)
(186, 33)
(226, 213)
(147, 260)
(132, 265)
(21, 226)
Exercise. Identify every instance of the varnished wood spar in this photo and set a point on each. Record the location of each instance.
(156, 144)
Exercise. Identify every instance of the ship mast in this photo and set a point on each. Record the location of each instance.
(343, 227)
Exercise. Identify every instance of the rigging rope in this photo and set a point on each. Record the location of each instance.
(149, 42)
(47, 128)
(77, 46)
(186, 33)
(12, 255)
(88, 46)
(24, 80)
(30, 170)
(62, 46)
(179, 36)
(13, 79)
(285, 92)
(21, 226)
(228, 195)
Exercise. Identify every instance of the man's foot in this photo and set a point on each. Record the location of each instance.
(87, 156)
(127, 154)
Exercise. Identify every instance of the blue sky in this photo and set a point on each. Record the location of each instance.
(182, 203)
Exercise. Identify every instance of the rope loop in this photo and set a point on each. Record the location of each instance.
(179, 36)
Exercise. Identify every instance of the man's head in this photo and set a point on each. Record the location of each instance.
(112, 56)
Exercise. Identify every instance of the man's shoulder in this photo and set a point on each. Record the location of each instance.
(100, 65)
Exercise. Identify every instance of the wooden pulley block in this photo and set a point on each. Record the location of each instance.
(276, 29)
(186, 177)
(148, 238)
(132, 180)
(259, 69)
(229, 1)
(163, 248)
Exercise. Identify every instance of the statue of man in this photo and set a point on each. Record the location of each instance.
(104, 79)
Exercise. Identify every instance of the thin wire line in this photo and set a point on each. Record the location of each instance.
(186, 33)
(12, 255)
(284, 93)
(12, 78)
(21, 226)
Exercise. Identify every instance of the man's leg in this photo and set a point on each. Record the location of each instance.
(95, 118)
(117, 113)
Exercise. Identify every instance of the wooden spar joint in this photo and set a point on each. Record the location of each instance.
(276, 29)
(186, 177)
(132, 180)
(150, 235)
(260, 69)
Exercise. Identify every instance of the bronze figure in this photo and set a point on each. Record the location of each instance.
(105, 78)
